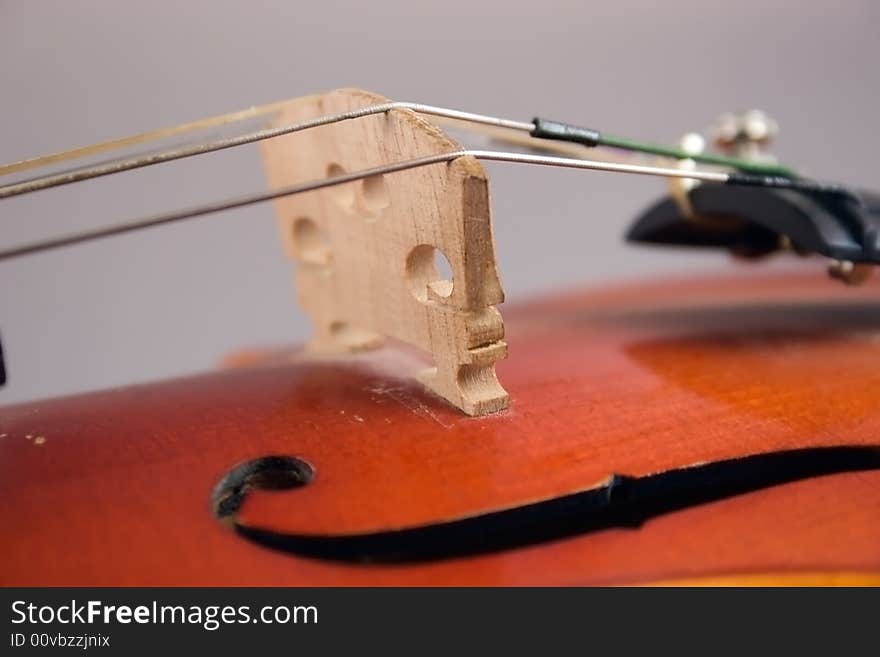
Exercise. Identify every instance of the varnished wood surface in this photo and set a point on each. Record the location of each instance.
(113, 488)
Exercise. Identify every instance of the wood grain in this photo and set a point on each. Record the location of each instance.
(631, 380)
(365, 251)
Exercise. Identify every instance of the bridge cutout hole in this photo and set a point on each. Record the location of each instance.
(428, 269)
(374, 194)
(343, 194)
(354, 337)
(310, 243)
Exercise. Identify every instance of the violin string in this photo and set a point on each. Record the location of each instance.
(118, 166)
(497, 156)
(537, 128)
(144, 137)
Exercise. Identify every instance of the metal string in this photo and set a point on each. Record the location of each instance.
(136, 162)
(249, 199)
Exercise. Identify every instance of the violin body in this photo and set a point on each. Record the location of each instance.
(115, 487)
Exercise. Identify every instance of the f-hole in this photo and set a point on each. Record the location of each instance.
(264, 473)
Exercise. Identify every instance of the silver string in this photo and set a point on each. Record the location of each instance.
(117, 166)
(249, 199)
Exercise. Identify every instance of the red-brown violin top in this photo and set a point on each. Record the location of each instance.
(121, 487)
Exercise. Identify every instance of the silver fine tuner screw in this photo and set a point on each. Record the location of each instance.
(745, 134)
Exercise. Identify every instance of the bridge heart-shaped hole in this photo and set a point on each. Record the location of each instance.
(427, 268)
(375, 194)
(310, 242)
(344, 194)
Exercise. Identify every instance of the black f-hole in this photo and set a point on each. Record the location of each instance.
(620, 501)
(265, 473)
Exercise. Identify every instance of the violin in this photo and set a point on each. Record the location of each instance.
(714, 431)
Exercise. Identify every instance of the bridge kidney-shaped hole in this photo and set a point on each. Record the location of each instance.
(427, 268)
(310, 243)
(343, 194)
(375, 194)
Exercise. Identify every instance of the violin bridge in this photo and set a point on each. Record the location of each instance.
(367, 252)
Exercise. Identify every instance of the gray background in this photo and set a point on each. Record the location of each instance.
(174, 300)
